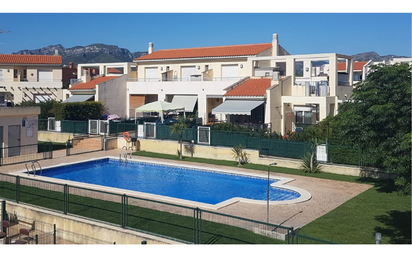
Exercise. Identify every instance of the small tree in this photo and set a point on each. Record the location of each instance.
(190, 148)
(309, 162)
(240, 155)
(178, 128)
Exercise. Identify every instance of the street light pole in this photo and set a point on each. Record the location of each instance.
(267, 192)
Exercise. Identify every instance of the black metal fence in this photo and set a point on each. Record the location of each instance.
(24, 153)
(41, 232)
(251, 140)
(177, 222)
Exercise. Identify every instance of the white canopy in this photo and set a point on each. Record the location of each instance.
(160, 107)
(237, 107)
(188, 101)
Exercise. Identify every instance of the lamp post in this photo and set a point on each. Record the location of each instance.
(267, 215)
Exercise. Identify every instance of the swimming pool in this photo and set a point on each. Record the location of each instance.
(210, 187)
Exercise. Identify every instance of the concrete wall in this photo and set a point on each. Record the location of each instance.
(54, 137)
(85, 227)
(113, 94)
(225, 153)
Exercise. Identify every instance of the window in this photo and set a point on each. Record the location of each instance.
(42, 98)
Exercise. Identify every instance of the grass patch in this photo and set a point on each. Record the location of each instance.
(357, 220)
(379, 209)
(252, 166)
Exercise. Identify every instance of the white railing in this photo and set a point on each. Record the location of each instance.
(184, 79)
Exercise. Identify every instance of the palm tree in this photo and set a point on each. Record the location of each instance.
(178, 128)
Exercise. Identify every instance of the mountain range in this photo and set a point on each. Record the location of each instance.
(96, 53)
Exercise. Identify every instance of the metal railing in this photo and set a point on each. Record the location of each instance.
(182, 223)
(167, 220)
(44, 233)
(184, 79)
(24, 153)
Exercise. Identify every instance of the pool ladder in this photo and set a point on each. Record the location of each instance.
(126, 152)
(33, 168)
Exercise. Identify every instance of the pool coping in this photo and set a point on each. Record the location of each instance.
(281, 183)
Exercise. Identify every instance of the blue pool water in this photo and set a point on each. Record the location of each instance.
(188, 184)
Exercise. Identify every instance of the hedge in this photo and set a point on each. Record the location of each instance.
(78, 110)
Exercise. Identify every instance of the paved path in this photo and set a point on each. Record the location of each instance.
(326, 194)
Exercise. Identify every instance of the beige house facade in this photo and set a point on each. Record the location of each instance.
(30, 78)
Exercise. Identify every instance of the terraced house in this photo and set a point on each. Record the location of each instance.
(30, 78)
(254, 85)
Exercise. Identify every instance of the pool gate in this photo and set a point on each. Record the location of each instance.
(182, 223)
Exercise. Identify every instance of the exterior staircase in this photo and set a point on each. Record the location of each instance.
(87, 143)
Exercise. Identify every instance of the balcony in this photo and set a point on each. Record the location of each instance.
(193, 78)
(315, 88)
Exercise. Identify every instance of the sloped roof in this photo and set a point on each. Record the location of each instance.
(92, 83)
(251, 87)
(114, 70)
(204, 52)
(357, 66)
(30, 59)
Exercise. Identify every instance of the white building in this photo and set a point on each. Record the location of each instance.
(30, 78)
(253, 84)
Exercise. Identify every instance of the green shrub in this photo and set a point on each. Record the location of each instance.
(310, 164)
(78, 111)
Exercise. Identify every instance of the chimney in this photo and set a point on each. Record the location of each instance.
(275, 45)
(56, 52)
(151, 48)
(70, 65)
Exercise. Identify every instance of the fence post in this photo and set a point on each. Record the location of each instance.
(51, 150)
(3, 213)
(68, 147)
(54, 234)
(17, 189)
(66, 199)
(124, 211)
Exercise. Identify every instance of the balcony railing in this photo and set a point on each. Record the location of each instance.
(344, 83)
(184, 79)
(32, 81)
(315, 88)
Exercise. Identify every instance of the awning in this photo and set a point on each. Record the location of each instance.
(77, 98)
(237, 107)
(188, 101)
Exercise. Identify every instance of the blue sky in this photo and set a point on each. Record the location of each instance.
(298, 33)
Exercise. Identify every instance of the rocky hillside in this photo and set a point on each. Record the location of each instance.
(94, 53)
(362, 57)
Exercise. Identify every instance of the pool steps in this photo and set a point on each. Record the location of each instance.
(33, 168)
(125, 153)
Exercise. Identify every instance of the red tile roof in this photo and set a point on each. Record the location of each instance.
(114, 70)
(215, 51)
(357, 66)
(92, 83)
(30, 59)
(251, 87)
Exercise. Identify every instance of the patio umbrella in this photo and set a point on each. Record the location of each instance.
(160, 107)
